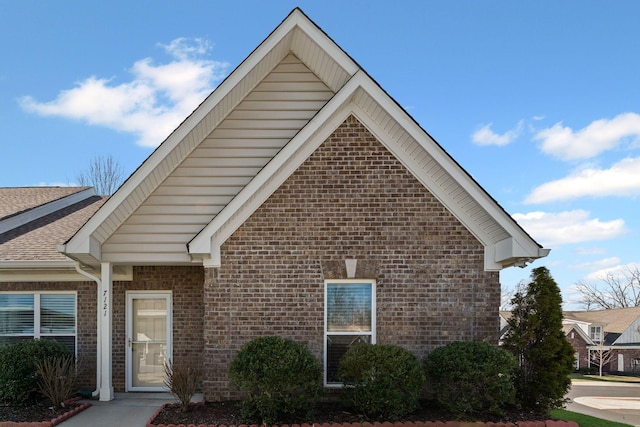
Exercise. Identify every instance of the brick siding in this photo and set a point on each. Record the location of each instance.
(352, 199)
(87, 295)
(579, 346)
(187, 304)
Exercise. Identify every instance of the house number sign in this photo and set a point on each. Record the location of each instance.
(105, 302)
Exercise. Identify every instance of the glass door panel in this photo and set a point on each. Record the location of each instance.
(148, 340)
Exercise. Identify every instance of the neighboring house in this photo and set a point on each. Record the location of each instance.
(617, 330)
(41, 293)
(299, 199)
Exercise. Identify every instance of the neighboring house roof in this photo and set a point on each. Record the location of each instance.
(250, 135)
(25, 202)
(613, 320)
(621, 325)
(35, 221)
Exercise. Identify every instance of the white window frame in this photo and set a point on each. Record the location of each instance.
(371, 334)
(37, 321)
(595, 333)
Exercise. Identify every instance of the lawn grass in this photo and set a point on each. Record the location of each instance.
(613, 378)
(584, 420)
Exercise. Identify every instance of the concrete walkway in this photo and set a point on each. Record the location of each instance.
(126, 410)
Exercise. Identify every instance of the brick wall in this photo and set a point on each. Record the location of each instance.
(86, 321)
(350, 200)
(579, 346)
(628, 357)
(186, 286)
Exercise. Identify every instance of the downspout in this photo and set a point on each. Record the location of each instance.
(98, 281)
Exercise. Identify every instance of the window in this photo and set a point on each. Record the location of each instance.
(38, 315)
(596, 333)
(349, 320)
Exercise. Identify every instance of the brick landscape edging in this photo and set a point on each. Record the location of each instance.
(53, 422)
(548, 423)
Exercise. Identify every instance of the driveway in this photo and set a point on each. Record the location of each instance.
(608, 400)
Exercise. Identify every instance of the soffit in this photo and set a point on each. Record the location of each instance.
(215, 171)
(297, 35)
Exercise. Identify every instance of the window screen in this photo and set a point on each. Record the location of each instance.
(40, 316)
(350, 320)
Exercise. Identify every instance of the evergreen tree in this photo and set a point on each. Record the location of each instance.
(536, 339)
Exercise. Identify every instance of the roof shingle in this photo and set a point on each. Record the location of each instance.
(38, 240)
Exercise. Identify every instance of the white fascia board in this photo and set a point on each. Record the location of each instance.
(582, 333)
(44, 210)
(39, 271)
(324, 41)
(206, 244)
(510, 252)
(80, 243)
(83, 245)
(13, 265)
(523, 245)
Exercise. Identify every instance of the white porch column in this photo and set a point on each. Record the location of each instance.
(105, 311)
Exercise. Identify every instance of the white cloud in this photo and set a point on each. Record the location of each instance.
(554, 229)
(622, 179)
(617, 271)
(590, 251)
(54, 184)
(598, 265)
(151, 105)
(601, 135)
(486, 136)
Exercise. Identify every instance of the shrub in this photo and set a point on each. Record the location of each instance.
(183, 379)
(58, 377)
(537, 340)
(591, 370)
(381, 380)
(18, 371)
(281, 377)
(471, 377)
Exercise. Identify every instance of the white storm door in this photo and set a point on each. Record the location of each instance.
(148, 340)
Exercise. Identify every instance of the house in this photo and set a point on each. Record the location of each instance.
(299, 199)
(615, 330)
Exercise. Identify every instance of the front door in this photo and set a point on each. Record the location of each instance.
(148, 339)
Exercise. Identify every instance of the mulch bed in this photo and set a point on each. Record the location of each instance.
(34, 413)
(230, 414)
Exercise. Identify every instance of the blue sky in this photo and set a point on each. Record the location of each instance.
(538, 100)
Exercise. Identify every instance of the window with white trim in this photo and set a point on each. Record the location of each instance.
(38, 315)
(349, 319)
(596, 334)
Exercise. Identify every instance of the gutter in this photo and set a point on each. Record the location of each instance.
(98, 281)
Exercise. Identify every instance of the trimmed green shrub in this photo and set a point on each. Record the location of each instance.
(281, 377)
(18, 368)
(381, 380)
(471, 377)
